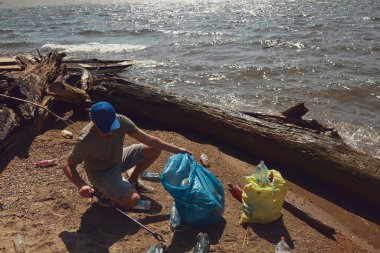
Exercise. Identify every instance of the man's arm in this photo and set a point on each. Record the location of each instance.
(72, 174)
(155, 142)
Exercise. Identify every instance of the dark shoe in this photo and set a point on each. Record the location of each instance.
(142, 188)
(102, 200)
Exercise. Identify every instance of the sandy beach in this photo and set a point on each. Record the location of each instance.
(52, 217)
(244, 56)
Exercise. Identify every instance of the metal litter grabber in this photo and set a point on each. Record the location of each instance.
(156, 235)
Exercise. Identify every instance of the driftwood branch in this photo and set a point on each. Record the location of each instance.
(27, 88)
(40, 106)
(68, 93)
(295, 112)
(306, 125)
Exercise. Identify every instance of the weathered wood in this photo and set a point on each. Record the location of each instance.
(302, 123)
(320, 154)
(8, 122)
(295, 112)
(95, 65)
(24, 120)
(10, 68)
(67, 93)
(4, 61)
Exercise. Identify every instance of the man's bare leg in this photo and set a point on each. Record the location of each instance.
(151, 155)
(129, 200)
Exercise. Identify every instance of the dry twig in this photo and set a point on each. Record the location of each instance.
(246, 237)
(42, 107)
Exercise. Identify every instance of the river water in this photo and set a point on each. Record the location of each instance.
(250, 55)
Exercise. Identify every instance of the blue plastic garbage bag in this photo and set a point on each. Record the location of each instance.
(200, 200)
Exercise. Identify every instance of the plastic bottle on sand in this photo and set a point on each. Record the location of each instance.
(175, 220)
(18, 243)
(203, 243)
(143, 205)
(45, 163)
(158, 248)
(261, 172)
(151, 176)
(204, 160)
(282, 246)
(67, 134)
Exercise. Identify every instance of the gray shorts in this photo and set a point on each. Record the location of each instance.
(110, 182)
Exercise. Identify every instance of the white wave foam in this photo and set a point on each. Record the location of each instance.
(97, 47)
(292, 44)
(278, 42)
(362, 138)
(155, 64)
(149, 63)
(194, 33)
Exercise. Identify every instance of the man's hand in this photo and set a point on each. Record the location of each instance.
(86, 191)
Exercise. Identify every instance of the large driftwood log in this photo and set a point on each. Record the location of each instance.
(319, 153)
(22, 120)
(26, 119)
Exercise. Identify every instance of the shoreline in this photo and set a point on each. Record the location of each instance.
(223, 130)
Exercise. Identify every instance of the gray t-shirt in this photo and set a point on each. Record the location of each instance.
(101, 153)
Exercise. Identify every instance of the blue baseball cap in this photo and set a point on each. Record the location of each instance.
(104, 117)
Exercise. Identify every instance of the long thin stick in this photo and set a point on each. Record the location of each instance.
(246, 237)
(40, 106)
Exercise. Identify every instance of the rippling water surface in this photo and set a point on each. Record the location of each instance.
(251, 55)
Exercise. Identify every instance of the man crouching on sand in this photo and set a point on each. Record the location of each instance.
(100, 147)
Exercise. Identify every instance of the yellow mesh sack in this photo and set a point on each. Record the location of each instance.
(262, 201)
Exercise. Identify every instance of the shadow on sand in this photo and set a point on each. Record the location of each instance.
(272, 232)
(182, 243)
(101, 227)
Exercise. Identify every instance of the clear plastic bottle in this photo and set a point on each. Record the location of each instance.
(204, 160)
(175, 219)
(18, 243)
(184, 181)
(152, 176)
(203, 243)
(45, 163)
(158, 248)
(261, 172)
(282, 246)
(143, 205)
(67, 134)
